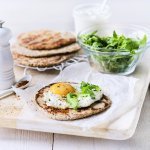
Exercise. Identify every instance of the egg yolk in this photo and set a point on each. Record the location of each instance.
(62, 89)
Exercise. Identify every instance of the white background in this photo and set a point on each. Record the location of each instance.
(21, 15)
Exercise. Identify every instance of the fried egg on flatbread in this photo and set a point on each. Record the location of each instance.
(52, 101)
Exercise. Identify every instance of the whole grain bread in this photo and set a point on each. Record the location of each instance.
(40, 62)
(42, 53)
(45, 39)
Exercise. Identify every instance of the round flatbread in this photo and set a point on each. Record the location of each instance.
(40, 62)
(45, 39)
(70, 114)
(42, 53)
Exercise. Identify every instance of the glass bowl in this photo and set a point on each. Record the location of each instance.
(119, 61)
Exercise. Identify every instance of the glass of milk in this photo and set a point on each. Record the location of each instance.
(87, 15)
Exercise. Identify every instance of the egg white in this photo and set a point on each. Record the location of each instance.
(57, 101)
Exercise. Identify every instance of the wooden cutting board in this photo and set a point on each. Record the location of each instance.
(12, 113)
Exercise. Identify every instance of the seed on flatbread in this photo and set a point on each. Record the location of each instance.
(45, 39)
(40, 62)
(69, 114)
(42, 53)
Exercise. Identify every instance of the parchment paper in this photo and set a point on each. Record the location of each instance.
(120, 89)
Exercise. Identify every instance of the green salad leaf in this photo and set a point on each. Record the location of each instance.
(112, 42)
(86, 89)
(72, 100)
(143, 41)
(115, 63)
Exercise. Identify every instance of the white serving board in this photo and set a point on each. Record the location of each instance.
(12, 109)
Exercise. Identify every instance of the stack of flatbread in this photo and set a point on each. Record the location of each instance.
(44, 48)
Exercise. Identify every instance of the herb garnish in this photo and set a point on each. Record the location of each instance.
(87, 89)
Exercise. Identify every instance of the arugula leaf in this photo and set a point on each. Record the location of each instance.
(114, 42)
(115, 34)
(72, 100)
(87, 88)
(143, 41)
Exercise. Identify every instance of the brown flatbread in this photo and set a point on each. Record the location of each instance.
(42, 53)
(41, 62)
(70, 114)
(45, 39)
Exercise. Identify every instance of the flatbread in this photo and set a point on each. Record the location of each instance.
(45, 39)
(70, 114)
(40, 62)
(42, 53)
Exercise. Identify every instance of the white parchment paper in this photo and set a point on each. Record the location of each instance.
(120, 89)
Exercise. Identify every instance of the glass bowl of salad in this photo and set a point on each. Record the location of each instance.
(114, 49)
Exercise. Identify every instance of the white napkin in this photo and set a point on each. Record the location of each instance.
(120, 89)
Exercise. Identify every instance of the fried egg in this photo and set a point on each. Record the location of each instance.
(62, 89)
(56, 96)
